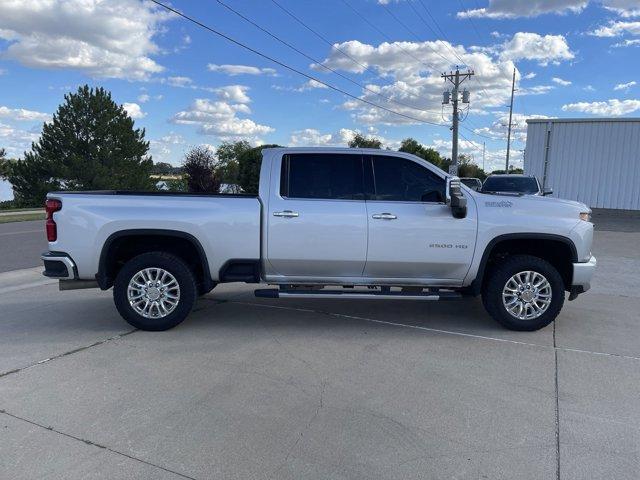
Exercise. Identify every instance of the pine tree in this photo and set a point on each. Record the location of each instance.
(91, 144)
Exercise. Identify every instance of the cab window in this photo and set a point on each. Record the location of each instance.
(402, 180)
(322, 175)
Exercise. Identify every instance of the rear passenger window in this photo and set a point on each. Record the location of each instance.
(399, 179)
(322, 175)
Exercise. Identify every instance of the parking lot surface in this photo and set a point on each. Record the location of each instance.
(21, 244)
(252, 388)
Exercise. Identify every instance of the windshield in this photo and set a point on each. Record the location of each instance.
(508, 183)
(472, 182)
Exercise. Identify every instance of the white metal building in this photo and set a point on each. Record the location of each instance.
(593, 160)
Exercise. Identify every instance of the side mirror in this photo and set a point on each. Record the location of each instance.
(547, 191)
(455, 198)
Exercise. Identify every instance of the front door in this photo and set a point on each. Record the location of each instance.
(412, 233)
(317, 217)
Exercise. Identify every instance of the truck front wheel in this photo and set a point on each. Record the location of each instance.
(154, 291)
(523, 292)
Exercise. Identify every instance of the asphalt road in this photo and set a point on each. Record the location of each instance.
(252, 388)
(21, 244)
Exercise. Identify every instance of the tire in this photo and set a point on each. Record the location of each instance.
(496, 283)
(167, 311)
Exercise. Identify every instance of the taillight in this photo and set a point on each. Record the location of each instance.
(52, 206)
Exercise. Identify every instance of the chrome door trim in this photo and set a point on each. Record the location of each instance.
(286, 214)
(384, 216)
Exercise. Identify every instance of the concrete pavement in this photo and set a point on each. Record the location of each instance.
(21, 244)
(256, 388)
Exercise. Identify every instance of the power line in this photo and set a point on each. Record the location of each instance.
(318, 62)
(436, 23)
(476, 133)
(319, 35)
(328, 42)
(444, 35)
(385, 36)
(447, 43)
(473, 24)
(288, 67)
(414, 34)
(388, 38)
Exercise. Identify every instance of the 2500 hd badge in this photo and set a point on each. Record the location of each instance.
(447, 245)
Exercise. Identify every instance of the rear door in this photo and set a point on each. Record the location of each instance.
(317, 216)
(412, 233)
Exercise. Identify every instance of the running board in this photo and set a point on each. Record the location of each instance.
(364, 295)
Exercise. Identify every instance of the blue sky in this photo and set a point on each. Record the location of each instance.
(187, 87)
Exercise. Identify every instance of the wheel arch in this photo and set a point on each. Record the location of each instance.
(562, 254)
(125, 244)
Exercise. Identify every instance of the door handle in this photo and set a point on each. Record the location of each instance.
(286, 214)
(384, 216)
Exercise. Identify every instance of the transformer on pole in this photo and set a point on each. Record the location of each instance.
(456, 78)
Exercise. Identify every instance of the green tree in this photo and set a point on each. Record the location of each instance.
(199, 168)
(411, 145)
(4, 163)
(467, 168)
(360, 141)
(228, 165)
(162, 168)
(512, 169)
(91, 143)
(249, 163)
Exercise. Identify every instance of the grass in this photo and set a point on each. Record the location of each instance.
(21, 217)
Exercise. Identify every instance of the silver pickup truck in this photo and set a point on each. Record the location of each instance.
(326, 223)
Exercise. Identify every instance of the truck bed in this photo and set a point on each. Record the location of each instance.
(226, 226)
(155, 193)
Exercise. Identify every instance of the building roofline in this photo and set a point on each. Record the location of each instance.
(583, 120)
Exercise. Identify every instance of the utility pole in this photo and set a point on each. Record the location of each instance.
(484, 145)
(456, 78)
(513, 89)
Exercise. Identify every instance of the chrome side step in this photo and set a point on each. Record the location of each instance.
(361, 295)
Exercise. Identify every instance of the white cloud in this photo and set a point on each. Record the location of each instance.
(104, 39)
(616, 29)
(16, 140)
(234, 70)
(532, 46)
(163, 149)
(312, 137)
(535, 90)
(612, 108)
(624, 8)
(413, 82)
(501, 9)
(311, 84)
(509, 9)
(589, 88)
(560, 81)
(134, 110)
(179, 81)
(306, 86)
(625, 86)
(233, 93)
(23, 114)
(498, 129)
(220, 118)
(627, 43)
(145, 97)
(529, 76)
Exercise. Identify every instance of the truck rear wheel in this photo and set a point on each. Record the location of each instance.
(523, 292)
(154, 291)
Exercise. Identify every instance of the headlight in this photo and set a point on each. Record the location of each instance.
(586, 216)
